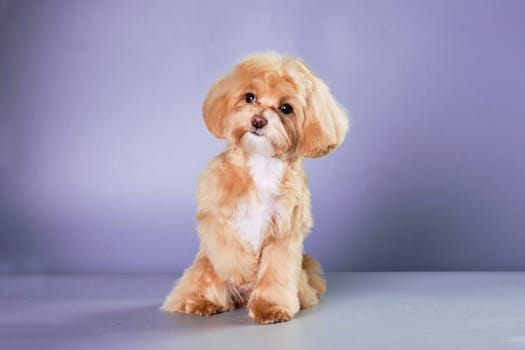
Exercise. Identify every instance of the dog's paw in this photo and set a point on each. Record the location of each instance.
(266, 312)
(201, 307)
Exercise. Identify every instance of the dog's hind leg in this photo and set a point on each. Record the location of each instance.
(312, 284)
(200, 291)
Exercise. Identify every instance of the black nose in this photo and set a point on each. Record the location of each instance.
(259, 122)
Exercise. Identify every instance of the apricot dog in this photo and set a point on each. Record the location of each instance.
(253, 199)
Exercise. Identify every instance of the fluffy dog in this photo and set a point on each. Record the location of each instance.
(253, 199)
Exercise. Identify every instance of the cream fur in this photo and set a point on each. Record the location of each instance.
(253, 214)
(253, 201)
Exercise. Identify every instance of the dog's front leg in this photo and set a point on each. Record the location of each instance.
(275, 296)
(232, 260)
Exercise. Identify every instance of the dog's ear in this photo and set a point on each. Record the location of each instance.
(216, 106)
(326, 123)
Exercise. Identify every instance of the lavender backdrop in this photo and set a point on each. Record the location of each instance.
(101, 138)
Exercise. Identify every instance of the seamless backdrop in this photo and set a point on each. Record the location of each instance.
(102, 141)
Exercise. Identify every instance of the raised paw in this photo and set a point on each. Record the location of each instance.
(201, 307)
(266, 312)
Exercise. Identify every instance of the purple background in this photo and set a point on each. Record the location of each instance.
(102, 141)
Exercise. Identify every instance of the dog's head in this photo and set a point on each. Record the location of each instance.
(276, 106)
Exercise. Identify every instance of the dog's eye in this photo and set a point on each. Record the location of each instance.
(286, 108)
(250, 97)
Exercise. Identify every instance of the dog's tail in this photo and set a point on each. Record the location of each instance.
(312, 284)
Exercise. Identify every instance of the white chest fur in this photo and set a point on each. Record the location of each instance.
(254, 213)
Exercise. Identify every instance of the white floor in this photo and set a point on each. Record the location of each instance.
(360, 311)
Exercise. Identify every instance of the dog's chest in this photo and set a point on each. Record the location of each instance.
(255, 212)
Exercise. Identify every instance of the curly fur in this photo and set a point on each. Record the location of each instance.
(253, 200)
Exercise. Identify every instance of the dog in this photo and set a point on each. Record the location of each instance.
(253, 201)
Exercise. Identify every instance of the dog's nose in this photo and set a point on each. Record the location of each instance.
(259, 121)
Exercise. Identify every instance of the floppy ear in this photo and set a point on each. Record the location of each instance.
(215, 107)
(325, 124)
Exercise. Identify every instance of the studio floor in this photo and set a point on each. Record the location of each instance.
(433, 310)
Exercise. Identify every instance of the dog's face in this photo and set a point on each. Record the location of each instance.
(275, 106)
